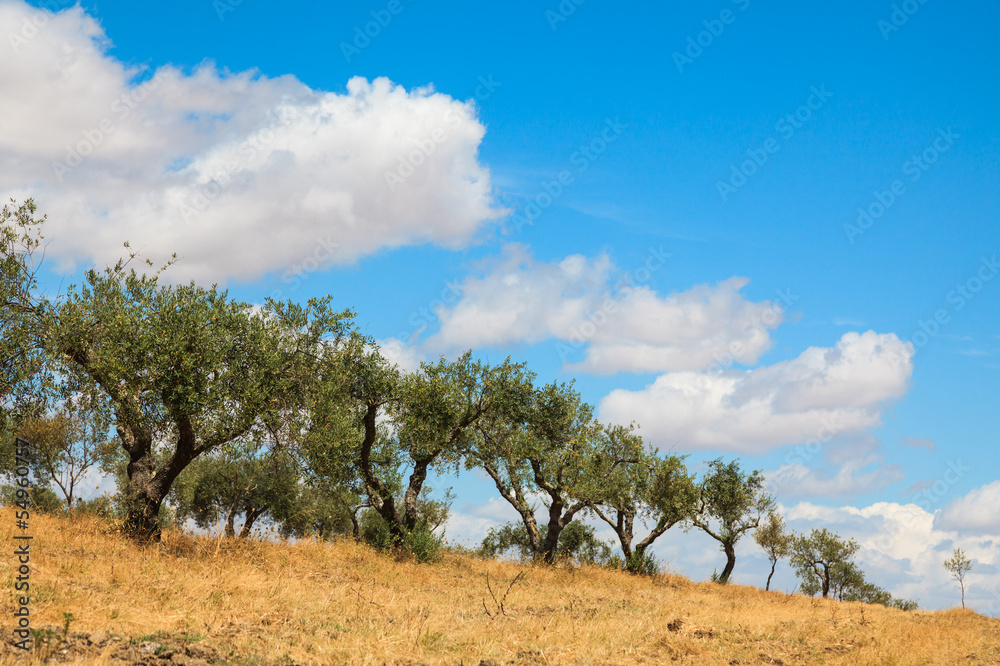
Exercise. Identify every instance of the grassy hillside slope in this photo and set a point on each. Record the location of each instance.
(199, 600)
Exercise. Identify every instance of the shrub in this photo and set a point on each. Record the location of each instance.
(422, 543)
(42, 499)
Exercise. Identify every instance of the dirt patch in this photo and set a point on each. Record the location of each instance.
(51, 646)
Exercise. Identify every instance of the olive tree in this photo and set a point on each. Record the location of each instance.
(549, 445)
(231, 482)
(774, 540)
(640, 485)
(958, 566)
(65, 446)
(20, 345)
(730, 504)
(822, 561)
(389, 429)
(186, 369)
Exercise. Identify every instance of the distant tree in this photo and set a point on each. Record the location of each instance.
(820, 557)
(730, 504)
(577, 542)
(775, 542)
(233, 482)
(324, 511)
(41, 499)
(70, 442)
(958, 566)
(825, 558)
(637, 484)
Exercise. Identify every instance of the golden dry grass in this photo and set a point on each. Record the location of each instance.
(263, 602)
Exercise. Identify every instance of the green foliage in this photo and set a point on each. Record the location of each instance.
(68, 442)
(642, 563)
(184, 369)
(730, 503)
(322, 512)
(776, 543)
(41, 499)
(238, 480)
(421, 542)
(639, 484)
(577, 543)
(103, 506)
(822, 560)
(958, 565)
(20, 344)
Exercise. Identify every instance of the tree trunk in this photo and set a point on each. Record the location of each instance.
(774, 563)
(251, 518)
(147, 486)
(551, 544)
(143, 495)
(410, 500)
(231, 522)
(730, 551)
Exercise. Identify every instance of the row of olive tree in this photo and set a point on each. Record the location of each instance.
(285, 413)
(255, 400)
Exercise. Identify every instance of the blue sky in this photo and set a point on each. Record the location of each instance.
(771, 223)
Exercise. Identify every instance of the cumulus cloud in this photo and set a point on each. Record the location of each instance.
(851, 478)
(619, 323)
(978, 511)
(405, 357)
(239, 173)
(903, 547)
(821, 394)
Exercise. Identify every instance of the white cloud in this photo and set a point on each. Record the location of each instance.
(621, 325)
(240, 174)
(798, 480)
(407, 358)
(823, 393)
(903, 548)
(978, 511)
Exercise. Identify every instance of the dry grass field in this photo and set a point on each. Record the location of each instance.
(198, 600)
